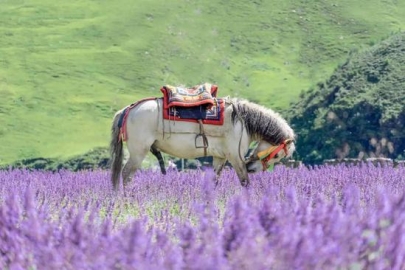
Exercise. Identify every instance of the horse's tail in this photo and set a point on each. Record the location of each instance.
(116, 151)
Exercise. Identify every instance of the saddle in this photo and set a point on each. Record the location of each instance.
(203, 94)
(197, 104)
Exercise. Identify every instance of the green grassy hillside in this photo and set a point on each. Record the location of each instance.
(67, 66)
(359, 112)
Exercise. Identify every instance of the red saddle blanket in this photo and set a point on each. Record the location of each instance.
(203, 94)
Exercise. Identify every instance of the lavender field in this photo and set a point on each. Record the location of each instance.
(319, 218)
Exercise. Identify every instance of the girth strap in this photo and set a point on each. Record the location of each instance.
(203, 138)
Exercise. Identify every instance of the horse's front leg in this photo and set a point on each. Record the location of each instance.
(218, 164)
(240, 168)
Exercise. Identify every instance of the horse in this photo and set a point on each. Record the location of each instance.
(244, 122)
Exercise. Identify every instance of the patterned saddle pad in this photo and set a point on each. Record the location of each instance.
(203, 94)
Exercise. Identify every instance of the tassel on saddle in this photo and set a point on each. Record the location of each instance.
(201, 140)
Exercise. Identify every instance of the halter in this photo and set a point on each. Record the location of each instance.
(270, 152)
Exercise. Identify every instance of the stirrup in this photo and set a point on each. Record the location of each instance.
(203, 139)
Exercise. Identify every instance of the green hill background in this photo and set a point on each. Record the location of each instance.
(359, 112)
(66, 67)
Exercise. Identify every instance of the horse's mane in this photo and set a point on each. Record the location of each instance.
(261, 122)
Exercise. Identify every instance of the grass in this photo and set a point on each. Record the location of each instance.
(66, 67)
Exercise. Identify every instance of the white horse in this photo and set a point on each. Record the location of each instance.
(244, 123)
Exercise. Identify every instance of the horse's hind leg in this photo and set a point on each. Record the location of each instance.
(159, 157)
(134, 162)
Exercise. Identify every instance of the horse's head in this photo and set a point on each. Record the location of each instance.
(266, 154)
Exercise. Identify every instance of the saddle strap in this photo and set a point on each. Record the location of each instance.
(203, 136)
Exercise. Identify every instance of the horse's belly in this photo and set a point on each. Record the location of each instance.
(178, 138)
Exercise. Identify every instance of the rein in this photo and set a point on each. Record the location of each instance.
(243, 126)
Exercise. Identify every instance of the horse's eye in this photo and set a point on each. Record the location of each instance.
(276, 156)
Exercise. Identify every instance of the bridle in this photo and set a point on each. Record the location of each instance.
(270, 153)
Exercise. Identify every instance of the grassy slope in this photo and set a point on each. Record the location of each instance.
(66, 67)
